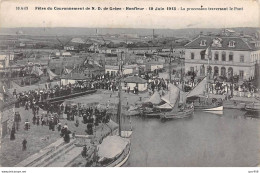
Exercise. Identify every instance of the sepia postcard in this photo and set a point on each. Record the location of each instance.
(129, 83)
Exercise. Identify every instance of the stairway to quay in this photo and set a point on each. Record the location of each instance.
(61, 154)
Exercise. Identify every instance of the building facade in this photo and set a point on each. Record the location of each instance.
(222, 56)
(127, 69)
(134, 81)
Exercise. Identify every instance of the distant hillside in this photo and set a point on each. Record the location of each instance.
(188, 32)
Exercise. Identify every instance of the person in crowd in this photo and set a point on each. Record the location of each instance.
(34, 120)
(12, 134)
(17, 120)
(84, 152)
(38, 120)
(26, 125)
(24, 144)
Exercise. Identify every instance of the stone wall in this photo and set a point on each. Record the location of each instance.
(7, 119)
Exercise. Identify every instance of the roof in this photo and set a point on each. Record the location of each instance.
(241, 44)
(134, 79)
(75, 76)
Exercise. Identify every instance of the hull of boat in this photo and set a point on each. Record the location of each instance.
(234, 106)
(215, 112)
(124, 160)
(219, 108)
(252, 109)
(123, 157)
(177, 115)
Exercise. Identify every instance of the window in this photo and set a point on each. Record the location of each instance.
(231, 57)
(241, 74)
(231, 44)
(202, 55)
(242, 58)
(203, 43)
(216, 56)
(192, 55)
(202, 70)
(192, 69)
(223, 56)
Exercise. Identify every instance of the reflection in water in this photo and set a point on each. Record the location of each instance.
(252, 114)
(204, 140)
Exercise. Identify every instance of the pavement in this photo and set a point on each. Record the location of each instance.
(37, 138)
(40, 137)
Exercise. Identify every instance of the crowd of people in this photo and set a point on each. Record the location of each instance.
(223, 88)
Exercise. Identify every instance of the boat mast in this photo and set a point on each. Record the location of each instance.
(170, 57)
(207, 77)
(170, 76)
(119, 94)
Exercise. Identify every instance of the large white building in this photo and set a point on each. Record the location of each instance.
(228, 55)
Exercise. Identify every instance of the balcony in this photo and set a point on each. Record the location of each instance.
(224, 63)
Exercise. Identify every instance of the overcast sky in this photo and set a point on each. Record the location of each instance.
(248, 17)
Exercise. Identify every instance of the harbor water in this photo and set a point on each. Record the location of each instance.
(206, 139)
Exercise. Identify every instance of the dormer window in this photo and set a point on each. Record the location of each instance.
(203, 43)
(231, 44)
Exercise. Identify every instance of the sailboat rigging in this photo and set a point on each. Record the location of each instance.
(198, 93)
(115, 150)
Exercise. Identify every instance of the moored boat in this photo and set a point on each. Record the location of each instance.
(114, 150)
(177, 114)
(201, 100)
(215, 112)
(174, 106)
(254, 107)
(214, 108)
(239, 102)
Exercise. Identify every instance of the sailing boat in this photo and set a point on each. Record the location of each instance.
(115, 150)
(199, 93)
(170, 109)
(201, 99)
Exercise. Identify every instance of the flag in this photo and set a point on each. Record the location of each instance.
(51, 74)
(37, 71)
(95, 62)
(208, 51)
(4, 89)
